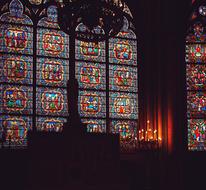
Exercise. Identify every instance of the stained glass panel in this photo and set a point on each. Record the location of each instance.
(95, 125)
(197, 134)
(122, 51)
(52, 72)
(52, 43)
(16, 39)
(51, 20)
(92, 104)
(127, 131)
(197, 33)
(196, 77)
(123, 78)
(196, 104)
(14, 130)
(16, 14)
(16, 69)
(16, 99)
(123, 105)
(90, 51)
(91, 75)
(196, 53)
(50, 124)
(51, 101)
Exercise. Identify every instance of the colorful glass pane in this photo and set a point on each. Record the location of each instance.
(92, 104)
(123, 78)
(127, 34)
(52, 43)
(197, 134)
(196, 53)
(122, 51)
(52, 72)
(90, 51)
(127, 131)
(35, 2)
(95, 125)
(16, 69)
(50, 124)
(51, 101)
(51, 20)
(196, 104)
(14, 130)
(123, 105)
(197, 33)
(16, 99)
(16, 14)
(91, 75)
(196, 77)
(16, 39)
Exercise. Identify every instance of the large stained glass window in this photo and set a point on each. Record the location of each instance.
(196, 80)
(34, 70)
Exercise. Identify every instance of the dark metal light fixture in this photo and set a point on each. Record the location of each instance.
(105, 14)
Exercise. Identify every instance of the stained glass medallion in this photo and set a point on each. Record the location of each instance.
(196, 53)
(14, 129)
(196, 77)
(16, 99)
(122, 51)
(196, 104)
(123, 105)
(197, 134)
(50, 124)
(17, 39)
(52, 43)
(51, 101)
(92, 104)
(123, 78)
(90, 51)
(52, 72)
(95, 125)
(16, 69)
(127, 131)
(196, 33)
(91, 75)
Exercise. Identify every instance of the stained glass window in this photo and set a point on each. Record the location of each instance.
(34, 70)
(196, 81)
(16, 91)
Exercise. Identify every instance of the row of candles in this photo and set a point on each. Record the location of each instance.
(149, 134)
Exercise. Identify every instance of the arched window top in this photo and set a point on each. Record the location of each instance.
(51, 20)
(15, 14)
(126, 32)
(82, 28)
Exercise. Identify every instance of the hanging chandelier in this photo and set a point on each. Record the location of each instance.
(98, 16)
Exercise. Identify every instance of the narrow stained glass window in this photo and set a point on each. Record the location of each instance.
(196, 81)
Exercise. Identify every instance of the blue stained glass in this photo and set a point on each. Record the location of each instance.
(52, 43)
(16, 69)
(90, 51)
(50, 123)
(16, 39)
(16, 99)
(92, 104)
(122, 51)
(123, 78)
(52, 101)
(16, 14)
(13, 130)
(51, 20)
(91, 75)
(52, 72)
(95, 125)
(123, 105)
